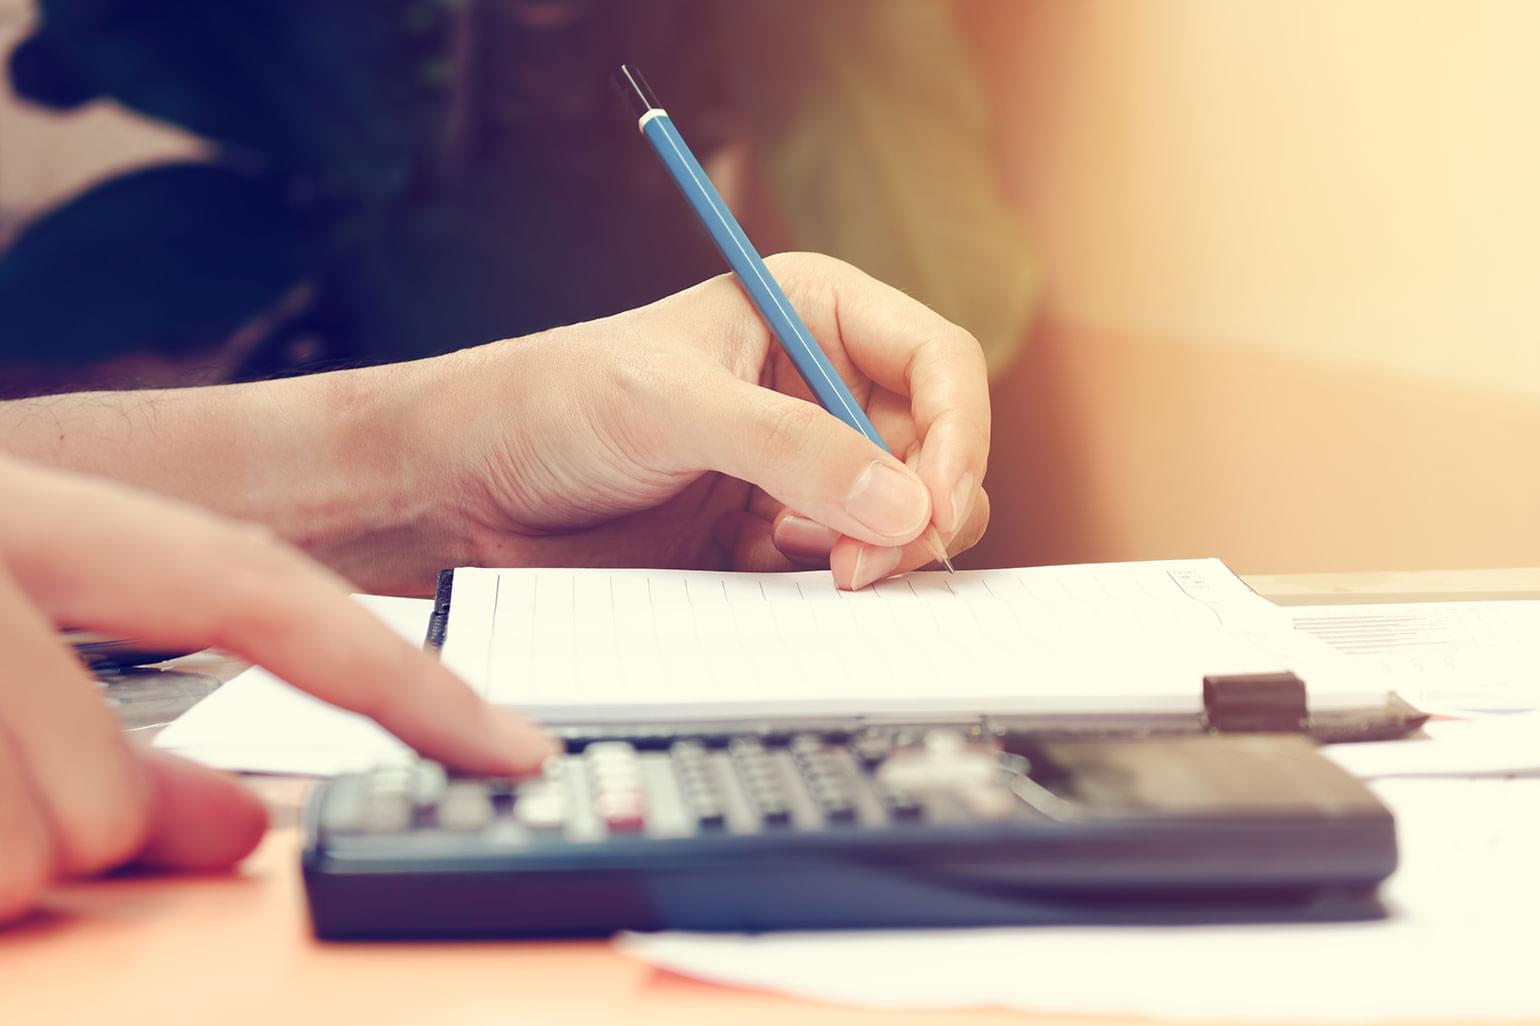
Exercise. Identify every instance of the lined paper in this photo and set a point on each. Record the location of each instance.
(585, 645)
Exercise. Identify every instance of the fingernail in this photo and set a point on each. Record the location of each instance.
(888, 501)
(962, 498)
(804, 537)
(873, 563)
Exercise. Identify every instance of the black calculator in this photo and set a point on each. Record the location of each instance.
(917, 826)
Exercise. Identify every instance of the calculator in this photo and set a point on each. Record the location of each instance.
(919, 826)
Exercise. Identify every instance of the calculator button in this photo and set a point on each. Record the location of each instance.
(838, 811)
(990, 802)
(805, 744)
(775, 815)
(710, 817)
(428, 783)
(541, 811)
(621, 812)
(465, 806)
(870, 749)
(601, 751)
(386, 813)
(613, 778)
(901, 805)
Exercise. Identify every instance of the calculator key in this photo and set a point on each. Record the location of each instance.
(392, 780)
(901, 805)
(465, 806)
(429, 782)
(541, 811)
(828, 788)
(762, 791)
(990, 802)
(601, 751)
(621, 812)
(386, 813)
(806, 744)
(616, 778)
(838, 812)
(774, 814)
(870, 749)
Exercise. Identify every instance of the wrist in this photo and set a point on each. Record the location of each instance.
(372, 504)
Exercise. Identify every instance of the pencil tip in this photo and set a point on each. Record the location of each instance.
(933, 539)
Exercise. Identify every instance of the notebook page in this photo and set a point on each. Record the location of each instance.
(591, 645)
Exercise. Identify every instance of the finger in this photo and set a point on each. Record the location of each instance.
(749, 545)
(179, 576)
(200, 818)
(26, 856)
(800, 455)
(907, 348)
(856, 565)
(802, 539)
(92, 794)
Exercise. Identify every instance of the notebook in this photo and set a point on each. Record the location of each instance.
(607, 646)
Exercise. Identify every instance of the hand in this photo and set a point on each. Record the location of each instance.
(75, 797)
(635, 440)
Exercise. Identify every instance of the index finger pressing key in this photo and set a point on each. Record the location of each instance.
(180, 576)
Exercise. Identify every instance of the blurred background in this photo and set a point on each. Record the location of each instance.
(1256, 278)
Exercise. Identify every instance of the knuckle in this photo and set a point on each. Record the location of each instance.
(786, 430)
(962, 340)
(256, 558)
(805, 268)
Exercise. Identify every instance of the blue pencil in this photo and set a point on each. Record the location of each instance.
(763, 291)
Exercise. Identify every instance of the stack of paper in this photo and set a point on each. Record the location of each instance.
(627, 645)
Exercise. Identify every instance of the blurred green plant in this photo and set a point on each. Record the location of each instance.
(366, 183)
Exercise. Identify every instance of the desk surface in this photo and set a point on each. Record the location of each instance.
(235, 948)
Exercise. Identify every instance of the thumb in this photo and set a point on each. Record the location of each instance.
(200, 818)
(805, 458)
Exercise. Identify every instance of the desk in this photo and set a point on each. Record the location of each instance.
(235, 949)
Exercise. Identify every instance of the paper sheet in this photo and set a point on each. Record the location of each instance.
(595, 645)
(1460, 945)
(259, 724)
(1440, 656)
(1483, 744)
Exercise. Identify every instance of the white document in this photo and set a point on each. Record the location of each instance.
(1440, 656)
(1482, 744)
(1458, 947)
(256, 723)
(597, 645)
